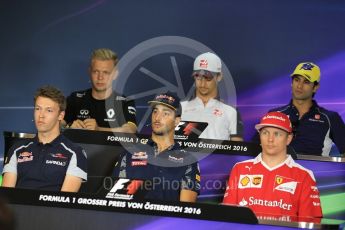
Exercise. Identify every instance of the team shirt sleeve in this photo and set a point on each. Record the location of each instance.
(69, 112)
(230, 195)
(236, 125)
(120, 167)
(309, 202)
(191, 178)
(129, 112)
(78, 164)
(10, 164)
(338, 132)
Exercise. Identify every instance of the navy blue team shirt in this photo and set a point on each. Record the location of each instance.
(44, 166)
(169, 171)
(316, 130)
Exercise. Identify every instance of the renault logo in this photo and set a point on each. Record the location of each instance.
(110, 113)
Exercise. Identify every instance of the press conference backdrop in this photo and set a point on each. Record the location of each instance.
(260, 42)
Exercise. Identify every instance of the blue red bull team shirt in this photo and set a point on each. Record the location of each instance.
(169, 171)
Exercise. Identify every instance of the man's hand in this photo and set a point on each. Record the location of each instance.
(78, 124)
(90, 124)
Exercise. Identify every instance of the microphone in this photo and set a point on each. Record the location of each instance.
(147, 125)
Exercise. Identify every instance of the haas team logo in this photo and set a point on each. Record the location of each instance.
(203, 64)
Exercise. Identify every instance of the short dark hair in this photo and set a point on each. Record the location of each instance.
(52, 93)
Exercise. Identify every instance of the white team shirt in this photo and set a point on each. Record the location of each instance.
(223, 120)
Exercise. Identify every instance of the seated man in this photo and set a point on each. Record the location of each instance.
(273, 183)
(315, 128)
(224, 121)
(101, 108)
(175, 173)
(49, 161)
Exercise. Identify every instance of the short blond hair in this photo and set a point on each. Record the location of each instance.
(104, 54)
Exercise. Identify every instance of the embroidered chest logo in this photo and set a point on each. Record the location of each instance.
(285, 184)
(175, 159)
(138, 163)
(257, 180)
(250, 181)
(217, 112)
(140, 156)
(110, 115)
(279, 179)
(25, 156)
(245, 181)
(58, 155)
(84, 114)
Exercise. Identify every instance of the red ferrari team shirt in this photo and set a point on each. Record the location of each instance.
(286, 189)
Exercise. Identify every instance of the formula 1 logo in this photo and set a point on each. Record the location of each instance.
(124, 189)
(189, 128)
